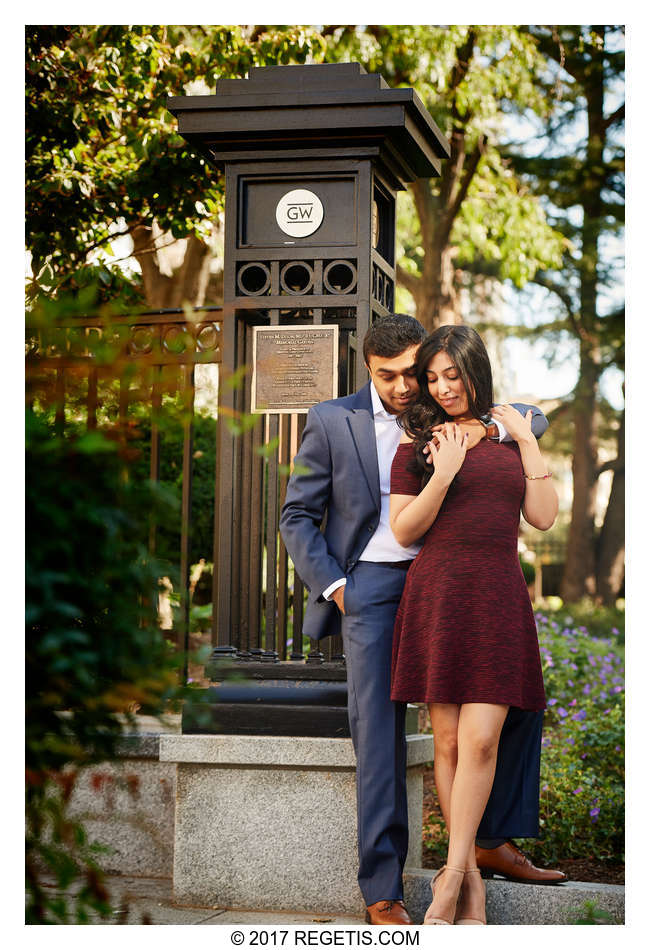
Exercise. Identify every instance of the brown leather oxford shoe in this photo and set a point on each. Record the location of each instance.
(508, 861)
(388, 912)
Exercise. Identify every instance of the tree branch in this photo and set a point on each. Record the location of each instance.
(617, 116)
(461, 194)
(407, 280)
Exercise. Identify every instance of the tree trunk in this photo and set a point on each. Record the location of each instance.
(611, 543)
(167, 286)
(579, 579)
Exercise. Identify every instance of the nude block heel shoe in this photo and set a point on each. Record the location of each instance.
(465, 919)
(429, 917)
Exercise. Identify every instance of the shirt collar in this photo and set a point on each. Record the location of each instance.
(378, 409)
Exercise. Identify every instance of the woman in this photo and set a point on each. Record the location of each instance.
(465, 638)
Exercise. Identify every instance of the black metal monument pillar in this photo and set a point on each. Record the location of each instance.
(313, 157)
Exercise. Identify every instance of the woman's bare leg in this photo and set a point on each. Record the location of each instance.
(478, 731)
(444, 722)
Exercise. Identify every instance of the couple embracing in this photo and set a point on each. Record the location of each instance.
(421, 480)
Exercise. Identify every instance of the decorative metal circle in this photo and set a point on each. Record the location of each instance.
(207, 337)
(299, 213)
(176, 339)
(254, 279)
(340, 277)
(141, 341)
(297, 277)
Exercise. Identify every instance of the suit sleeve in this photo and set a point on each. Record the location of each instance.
(539, 422)
(308, 494)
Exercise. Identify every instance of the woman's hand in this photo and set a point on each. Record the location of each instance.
(448, 428)
(518, 426)
(448, 450)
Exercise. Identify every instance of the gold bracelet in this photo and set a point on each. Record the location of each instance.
(533, 477)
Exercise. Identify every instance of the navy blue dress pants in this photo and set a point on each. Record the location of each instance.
(371, 597)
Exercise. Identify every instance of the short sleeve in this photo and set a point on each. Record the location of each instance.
(403, 481)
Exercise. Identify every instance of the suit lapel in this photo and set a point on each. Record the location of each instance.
(362, 427)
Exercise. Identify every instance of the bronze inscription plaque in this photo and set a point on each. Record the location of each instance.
(293, 367)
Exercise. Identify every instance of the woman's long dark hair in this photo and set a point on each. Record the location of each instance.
(467, 352)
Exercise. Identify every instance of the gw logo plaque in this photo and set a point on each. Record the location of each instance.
(299, 213)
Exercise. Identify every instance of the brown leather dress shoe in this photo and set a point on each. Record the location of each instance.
(508, 861)
(388, 912)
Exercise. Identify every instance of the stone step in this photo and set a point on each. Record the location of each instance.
(510, 903)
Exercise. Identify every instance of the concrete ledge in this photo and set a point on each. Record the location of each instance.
(510, 903)
(277, 751)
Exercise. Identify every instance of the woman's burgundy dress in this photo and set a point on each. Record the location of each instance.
(464, 630)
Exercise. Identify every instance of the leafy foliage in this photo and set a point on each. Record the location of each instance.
(93, 651)
(479, 210)
(102, 152)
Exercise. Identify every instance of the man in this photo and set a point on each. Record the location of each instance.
(354, 571)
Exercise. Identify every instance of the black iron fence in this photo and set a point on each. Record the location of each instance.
(97, 372)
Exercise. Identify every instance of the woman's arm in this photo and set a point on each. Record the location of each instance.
(412, 515)
(540, 500)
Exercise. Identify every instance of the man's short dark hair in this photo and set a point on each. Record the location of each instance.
(389, 336)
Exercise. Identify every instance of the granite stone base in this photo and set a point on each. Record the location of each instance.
(128, 807)
(270, 822)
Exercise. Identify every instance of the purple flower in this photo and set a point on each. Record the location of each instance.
(580, 715)
(586, 689)
(617, 748)
(576, 791)
(562, 712)
(584, 755)
(574, 702)
(552, 702)
(595, 812)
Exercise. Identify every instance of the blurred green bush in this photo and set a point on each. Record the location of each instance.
(94, 652)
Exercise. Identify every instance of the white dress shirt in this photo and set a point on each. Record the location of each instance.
(382, 546)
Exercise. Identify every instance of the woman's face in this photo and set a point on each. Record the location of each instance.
(446, 386)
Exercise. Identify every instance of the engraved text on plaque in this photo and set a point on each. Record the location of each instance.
(293, 367)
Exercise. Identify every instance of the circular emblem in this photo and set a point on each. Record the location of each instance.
(299, 212)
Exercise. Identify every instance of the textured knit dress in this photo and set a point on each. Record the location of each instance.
(465, 630)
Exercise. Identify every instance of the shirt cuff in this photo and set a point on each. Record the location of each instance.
(327, 593)
(503, 433)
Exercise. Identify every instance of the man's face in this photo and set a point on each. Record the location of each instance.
(394, 379)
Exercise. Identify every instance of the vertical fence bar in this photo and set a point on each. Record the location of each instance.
(283, 564)
(245, 528)
(271, 536)
(298, 588)
(91, 401)
(59, 397)
(154, 450)
(124, 401)
(187, 399)
(257, 529)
